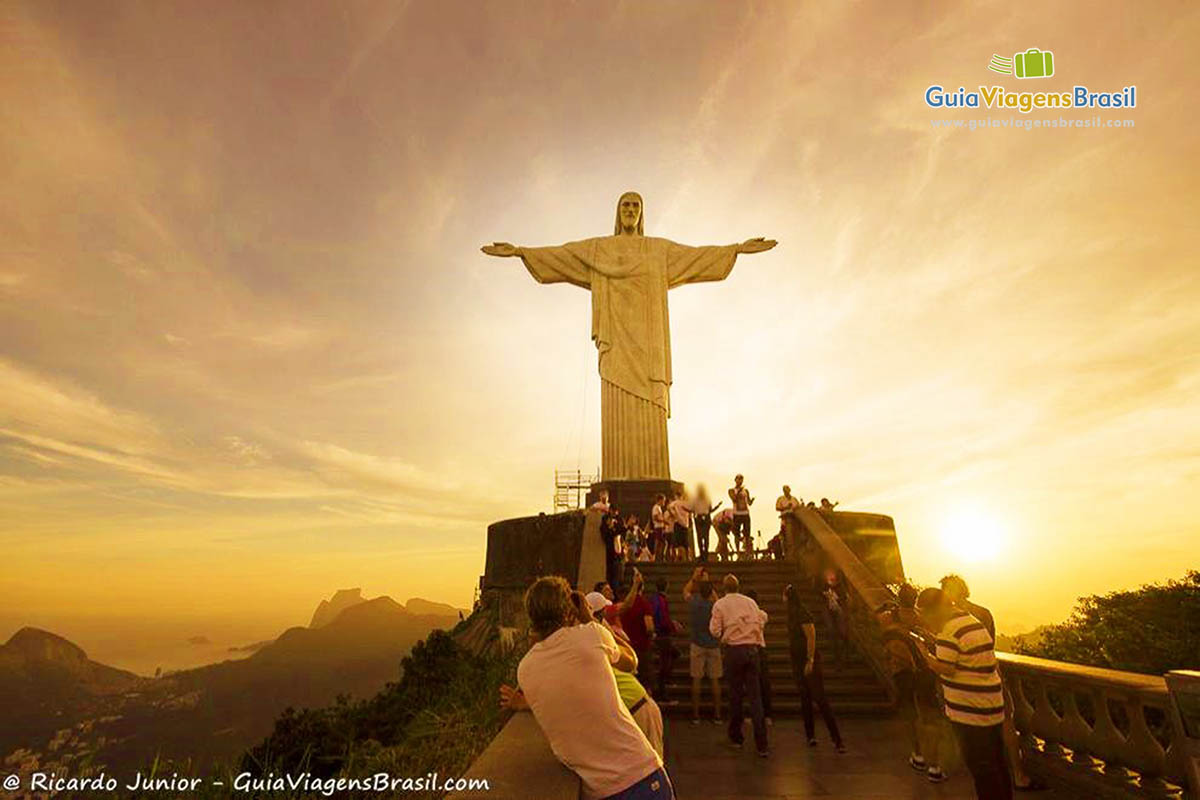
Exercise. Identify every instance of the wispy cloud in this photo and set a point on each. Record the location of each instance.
(242, 305)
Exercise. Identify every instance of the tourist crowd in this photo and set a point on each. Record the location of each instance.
(686, 528)
(597, 672)
(586, 674)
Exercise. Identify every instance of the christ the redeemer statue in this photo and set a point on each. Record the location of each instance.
(629, 275)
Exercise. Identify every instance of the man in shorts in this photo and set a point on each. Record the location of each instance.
(704, 653)
(679, 514)
(741, 499)
(658, 527)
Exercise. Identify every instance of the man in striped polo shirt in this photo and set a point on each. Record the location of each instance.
(965, 662)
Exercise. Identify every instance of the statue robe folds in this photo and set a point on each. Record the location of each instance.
(629, 277)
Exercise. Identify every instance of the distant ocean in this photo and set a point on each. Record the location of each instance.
(144, 645)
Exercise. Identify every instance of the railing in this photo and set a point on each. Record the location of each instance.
(1106, 732)
(815, 545)
(519, 764)
(1109, 734)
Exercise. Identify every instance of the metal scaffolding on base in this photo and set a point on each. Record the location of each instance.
(571, 487)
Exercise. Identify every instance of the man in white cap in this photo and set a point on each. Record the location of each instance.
(641, 705)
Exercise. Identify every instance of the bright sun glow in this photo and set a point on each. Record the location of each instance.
(973, 535)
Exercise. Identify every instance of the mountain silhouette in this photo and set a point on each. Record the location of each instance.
(63, 703)
(328, 610)
(416, 605)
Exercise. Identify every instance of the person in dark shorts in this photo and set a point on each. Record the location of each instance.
(658, 527)
(806, 668)
(679, 515)
(741, 500)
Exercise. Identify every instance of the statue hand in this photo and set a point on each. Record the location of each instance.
(756, 245)
(502, 249)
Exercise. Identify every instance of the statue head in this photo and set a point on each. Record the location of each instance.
(629, 215)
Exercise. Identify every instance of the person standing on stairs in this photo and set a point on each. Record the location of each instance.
(664, 629)
(703, 508)
(636, 619)
(704, 652)
(806, 668)
(679, 516)
(658, 528)
(787, 502)
(739, 495)
(723, 524)
(738, 623)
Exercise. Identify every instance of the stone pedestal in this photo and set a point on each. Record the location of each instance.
(634, 497)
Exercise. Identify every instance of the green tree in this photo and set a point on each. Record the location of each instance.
(1153, 629)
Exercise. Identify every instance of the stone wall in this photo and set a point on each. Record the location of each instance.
(523, 549)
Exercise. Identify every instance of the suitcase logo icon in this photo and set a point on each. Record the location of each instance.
(1033, 63)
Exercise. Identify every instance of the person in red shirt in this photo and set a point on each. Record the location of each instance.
(637, 620)
(664, 629)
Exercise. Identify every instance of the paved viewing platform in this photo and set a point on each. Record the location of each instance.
(875, 766)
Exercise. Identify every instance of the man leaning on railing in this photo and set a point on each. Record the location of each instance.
(567, 680)
(965, 662)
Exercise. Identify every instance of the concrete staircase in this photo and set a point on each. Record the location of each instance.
(853, 689)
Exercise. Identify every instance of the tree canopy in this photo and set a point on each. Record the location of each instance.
(1152, 629)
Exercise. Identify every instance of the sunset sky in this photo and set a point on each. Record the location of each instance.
(250, 352)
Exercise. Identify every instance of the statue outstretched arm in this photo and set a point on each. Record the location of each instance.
(501, 249)
(568, 263)
(686, 264)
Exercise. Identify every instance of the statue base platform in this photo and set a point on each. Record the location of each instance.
(634, 497)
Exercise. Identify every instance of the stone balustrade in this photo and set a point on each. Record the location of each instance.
(1106, 732)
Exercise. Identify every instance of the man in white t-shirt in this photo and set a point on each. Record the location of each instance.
(737, 622)
(567, 680)
(679, 516)
(787, 502)
(658, 527)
